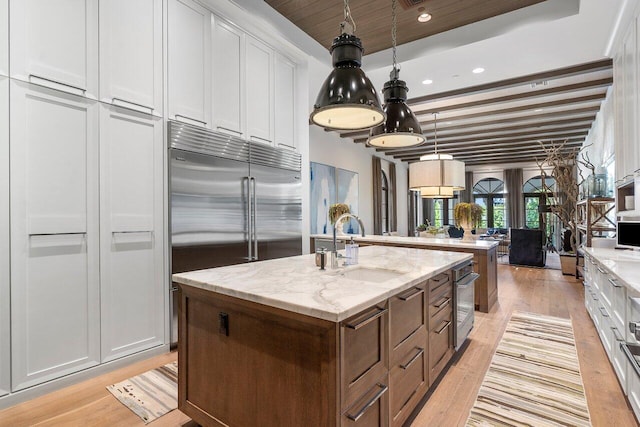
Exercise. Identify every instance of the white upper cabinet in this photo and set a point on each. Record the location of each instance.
(285, 106)
(630, 118)
(228, 78)
(54, 43)
(5, 354)
(55, 326)
(131, 232)
(4, 37)
(131, 54)
(189, 63)
(618, 102)
(259, 90)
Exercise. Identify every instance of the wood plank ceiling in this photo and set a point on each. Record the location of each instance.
(505, 121)
(321, 19)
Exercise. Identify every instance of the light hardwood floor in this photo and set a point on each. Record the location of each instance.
(522, 289)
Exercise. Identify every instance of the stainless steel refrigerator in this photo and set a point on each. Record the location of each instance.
(232, 201)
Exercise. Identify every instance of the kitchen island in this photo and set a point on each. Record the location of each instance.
(485, 254)
(281, 342)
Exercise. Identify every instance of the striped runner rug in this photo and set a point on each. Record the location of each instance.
(534, 377)
(149, 395)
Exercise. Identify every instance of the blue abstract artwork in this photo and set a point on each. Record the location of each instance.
(347, 182)
(323, 195)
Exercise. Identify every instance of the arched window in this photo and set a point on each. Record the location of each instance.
(536, 195)
(385, 202)
(489, 193)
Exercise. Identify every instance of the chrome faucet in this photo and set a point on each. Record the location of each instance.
(334, 252)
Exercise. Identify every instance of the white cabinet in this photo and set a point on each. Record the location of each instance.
(618, 103)
(189, 63)
(5, 354)
(55, 301)
(228, 78)
(629, 120)
(54, 43)
(132, 288)
(259, 91)
(131, 54)
(4, 38)
(285, 105)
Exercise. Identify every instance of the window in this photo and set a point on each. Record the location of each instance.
(536, 194)
(489, 193)
(385, 203)
(439, 212)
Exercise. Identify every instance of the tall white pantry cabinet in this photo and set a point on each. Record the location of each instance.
(87, 157)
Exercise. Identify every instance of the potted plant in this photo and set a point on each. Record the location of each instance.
(468, 216)
(335, 210)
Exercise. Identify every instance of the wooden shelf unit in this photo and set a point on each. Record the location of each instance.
(592, 221)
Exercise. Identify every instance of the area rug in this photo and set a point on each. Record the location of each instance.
(534, 377)
(149, 395)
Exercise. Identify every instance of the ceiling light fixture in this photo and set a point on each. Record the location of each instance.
(436, 175)
(478, 70)
(401, 127)
(347, 100)
(427, 82)
(424, 16)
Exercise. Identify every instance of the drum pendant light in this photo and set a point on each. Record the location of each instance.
(436, 176)
(401, 128)
(347, 100)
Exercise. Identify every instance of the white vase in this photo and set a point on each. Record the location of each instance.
(339, 228)
(466, 226)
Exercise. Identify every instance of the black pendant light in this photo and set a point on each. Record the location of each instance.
(401, 127)
(347, 100)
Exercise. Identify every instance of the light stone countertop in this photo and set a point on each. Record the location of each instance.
(296, 284)
(621, 263)
(415, 241)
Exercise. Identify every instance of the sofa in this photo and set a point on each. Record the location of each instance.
(527, 247)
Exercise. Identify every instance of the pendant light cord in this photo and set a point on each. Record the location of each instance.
(435, 132)
(348, 20)
(393, 35)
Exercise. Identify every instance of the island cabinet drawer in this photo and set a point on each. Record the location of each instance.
(409, 378)
(441, 303)
(364, 352)
(439, 283)
(371, 409)
(407, 316)
(440, 344)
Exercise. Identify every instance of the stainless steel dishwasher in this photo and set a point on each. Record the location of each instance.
(463, 287)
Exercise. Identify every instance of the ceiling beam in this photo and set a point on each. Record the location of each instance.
(576, 87)
(532, 140)
(533, 121)
(517, 81)
(540, 132)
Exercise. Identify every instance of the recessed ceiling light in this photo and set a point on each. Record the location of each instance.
(478, 70)
(427, 82)
(424, 16)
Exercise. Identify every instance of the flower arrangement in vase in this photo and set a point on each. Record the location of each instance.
(468, 216)
(335, 211)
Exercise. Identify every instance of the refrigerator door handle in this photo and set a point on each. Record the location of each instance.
(247, 179)
(253, 226)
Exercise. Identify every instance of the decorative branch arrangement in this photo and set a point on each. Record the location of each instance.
(564, 170)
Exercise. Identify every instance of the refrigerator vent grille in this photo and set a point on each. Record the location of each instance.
(199, 140)
(275, 157)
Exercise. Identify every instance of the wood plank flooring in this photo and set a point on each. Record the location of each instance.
(525, 289)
